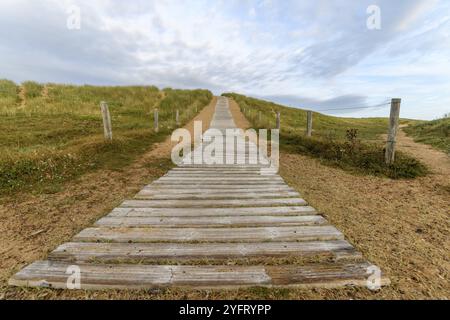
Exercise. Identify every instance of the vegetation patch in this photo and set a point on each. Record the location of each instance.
(57, 134)
(362, 157)
(347, 143)
(435, 133)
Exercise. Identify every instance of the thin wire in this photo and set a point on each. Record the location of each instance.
(361, 107)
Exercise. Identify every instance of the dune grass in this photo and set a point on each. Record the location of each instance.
(349, 143)
(435, 133)
(51, 133)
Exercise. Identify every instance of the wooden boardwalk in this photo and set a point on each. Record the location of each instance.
(207, 226)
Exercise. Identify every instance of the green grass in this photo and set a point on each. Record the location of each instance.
(348, 143)
(435, 133)
(49, 139)
(8, 93)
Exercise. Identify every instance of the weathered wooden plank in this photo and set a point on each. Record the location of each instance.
(229, 176)
(213, 203)
(253, 234)
(213, 212)
(173, 190)
(225, 166)
(218, 182)
(216, 168)
(89, 251)
(217, 187)
(214, 173)
(327, 275)
(150, 195)
(236, 221)
(222, 179)
(134, 276)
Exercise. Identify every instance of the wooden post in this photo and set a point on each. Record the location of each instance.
(278, 120)
(155, 116)
(309, 123)
(177, 118)
(393, 129)
(107, 128)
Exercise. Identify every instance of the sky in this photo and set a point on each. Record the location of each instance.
(329, 56)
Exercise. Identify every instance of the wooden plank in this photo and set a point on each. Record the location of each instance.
(212, 212)
(236, 221)
(218, 187)
(198, 181)
(171, 190)
(229, 176)
(107, 127)
(326, 275)
(213, 203)
(245, 234)
(134, 276)
(89, 251)
(155, 120)
(150, 195)
(222, 167)
(225, 166)
(213, 172)
(224, 178)
(393, 129)
(217, 182)
(309, 120)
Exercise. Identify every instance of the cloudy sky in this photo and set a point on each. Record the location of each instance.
(317, 54)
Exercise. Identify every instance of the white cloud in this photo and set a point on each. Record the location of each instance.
(314, 51)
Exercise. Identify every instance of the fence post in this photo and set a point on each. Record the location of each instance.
(177, 118)
(155, 116)
(107, 128)
(278, 120)
(393, 129)
(309, 123)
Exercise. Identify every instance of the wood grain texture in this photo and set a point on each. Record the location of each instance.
(234, 221)
(244, 234)
(128, 276)
(85, 251)
(205, 203)
(212, 212)
(152, 195)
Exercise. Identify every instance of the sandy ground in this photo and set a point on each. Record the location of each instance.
(33, 225)
(238, 116)
(22, 96)
(400, 225)
(436, 160)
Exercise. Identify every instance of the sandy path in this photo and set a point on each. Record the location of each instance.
(436, 160)
(22, 96)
